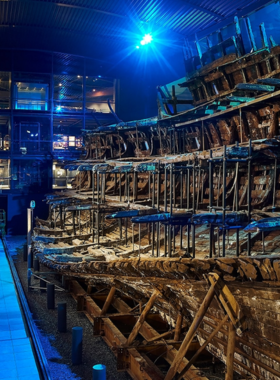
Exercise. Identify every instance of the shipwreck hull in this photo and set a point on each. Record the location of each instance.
(253, 282)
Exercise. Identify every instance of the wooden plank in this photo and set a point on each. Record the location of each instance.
(142, 317)
(230, 352)
(190, 334)
(108, 301)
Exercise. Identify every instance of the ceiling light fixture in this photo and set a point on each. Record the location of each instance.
(147, 39)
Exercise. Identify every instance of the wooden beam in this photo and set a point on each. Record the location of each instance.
(230, 352)
(199, 351)
(161, 336)
(178, 327)
(108, 301)
(142, 317)
(190, 334)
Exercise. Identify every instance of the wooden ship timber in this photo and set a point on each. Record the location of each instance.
(172, 226)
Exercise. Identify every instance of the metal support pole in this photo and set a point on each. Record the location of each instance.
(202, 135)
(169, 240)
(181, 206)
(120, 187)
(193, 241)
(120, 227)
(274, 185)
(98, 201)
(29, 276)
(125, 231)
(249, 194)
(158, 186)
(93, 186)
(133, 237)
(135, 188)
(158, 239)
(194, 180)
(171, 188)
(237, 205)
(193, 226)
(149, 186)
(188, 207)
(211, 201)
(153, 239)
(29, 257)
(73, 222)
(29, 234)
(115, 183)
(224, 199)
(165, 207)
(153, 192)
(61, 218)
(125, 186)
(139, 238)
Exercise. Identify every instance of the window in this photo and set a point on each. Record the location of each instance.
(31, 134)
(31, 96)
(68, 93)
(98, 91)
(67, 133)
(5, 90)
(62, 178)
(4, 174)
(5, 139)
(32, 174)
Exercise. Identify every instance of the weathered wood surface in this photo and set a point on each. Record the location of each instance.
(181, 285)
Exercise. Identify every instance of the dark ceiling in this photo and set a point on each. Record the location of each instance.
(109, 30)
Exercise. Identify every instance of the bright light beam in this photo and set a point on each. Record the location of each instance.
(147, 39)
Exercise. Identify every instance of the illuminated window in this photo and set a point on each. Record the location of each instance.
(62, 178)
(31, 96)
(4, 174)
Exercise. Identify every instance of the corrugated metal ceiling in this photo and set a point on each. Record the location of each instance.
(104, 27)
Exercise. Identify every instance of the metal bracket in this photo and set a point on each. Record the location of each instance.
(123, 359)
(98, 326)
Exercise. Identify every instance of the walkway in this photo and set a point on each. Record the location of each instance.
(16, 357)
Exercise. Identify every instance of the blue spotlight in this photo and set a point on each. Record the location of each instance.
(137, 47)
(147, 39)
(58, 108)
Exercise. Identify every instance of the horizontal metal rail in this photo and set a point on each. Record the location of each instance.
(36, 345)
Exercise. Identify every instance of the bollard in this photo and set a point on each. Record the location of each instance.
(50, 296)
(29, 274)
(77, 345)
(29, 257)
(36, 265)
(62, 317)
(99, 372)
(43, 284)
(25, 252)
